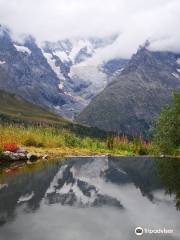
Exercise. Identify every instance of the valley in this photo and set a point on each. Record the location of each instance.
(61, 76)
(89, 120)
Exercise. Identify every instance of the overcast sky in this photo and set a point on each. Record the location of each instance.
(134, 20)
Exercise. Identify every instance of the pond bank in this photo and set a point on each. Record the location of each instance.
(33, 155)
(30, 155)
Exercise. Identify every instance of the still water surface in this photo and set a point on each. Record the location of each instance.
(92, 198)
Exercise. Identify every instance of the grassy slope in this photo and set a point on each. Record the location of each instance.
(14, 106)
(56, 136)
(14, 109)
(60, 142)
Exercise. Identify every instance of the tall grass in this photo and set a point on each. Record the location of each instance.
(47, 137)
(137, 146)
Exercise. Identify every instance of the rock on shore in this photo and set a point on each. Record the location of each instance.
(20, 155)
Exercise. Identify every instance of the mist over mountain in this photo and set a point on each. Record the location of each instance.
(81, 76)
(82, 61)
(119, 95)
(61, 76)
(133, 20)
(135, 97)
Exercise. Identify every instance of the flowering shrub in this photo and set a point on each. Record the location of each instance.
(12, 147)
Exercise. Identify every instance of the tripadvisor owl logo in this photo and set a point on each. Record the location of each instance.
(139, 231)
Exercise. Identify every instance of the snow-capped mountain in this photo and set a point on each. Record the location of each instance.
(80, 77)
(79, 184)
(77, 50)
(25, 72)
(59, 75)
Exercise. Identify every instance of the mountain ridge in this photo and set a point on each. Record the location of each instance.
(50, 74)
(135, 97)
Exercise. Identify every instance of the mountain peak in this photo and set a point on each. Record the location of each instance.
(135, 97)
(142, 58)
(145, 45)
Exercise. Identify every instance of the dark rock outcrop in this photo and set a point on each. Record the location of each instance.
(25, 71)
(21, 155)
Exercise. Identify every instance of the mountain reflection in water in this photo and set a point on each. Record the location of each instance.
(103, 198)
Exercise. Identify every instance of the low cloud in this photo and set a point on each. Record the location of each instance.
(134, 21)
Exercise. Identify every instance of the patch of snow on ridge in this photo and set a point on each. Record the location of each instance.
(61, 85)
(91, 74)
(62, 55)
(80, 196)
(65, 188)
(2, 62)
(54, 182)
(178, 61)
(57, 107)
(73, 187)
(52, 62)
(175, 75)
(22, 49)
(78, 46)
(68, 93)
(26, 198)
(178, 70)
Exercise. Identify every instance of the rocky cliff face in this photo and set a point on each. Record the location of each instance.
(133, 100)
(55, 75)
(80, 75)
(25, 71)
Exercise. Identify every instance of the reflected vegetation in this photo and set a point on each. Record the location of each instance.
(141, 171)
(169, 172)
(33, 179)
